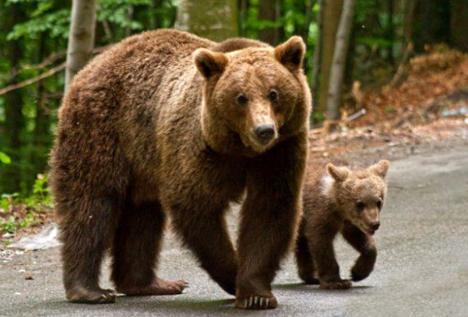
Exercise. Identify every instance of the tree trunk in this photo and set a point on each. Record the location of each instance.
(390, 36)
(216, 20)
(14, 119)
(331, 17)
(270, 10)
(432, 23)
(315, 76)
(81, 37)
(459, 24)
(339, 61)
(408, 18)
(41, 137)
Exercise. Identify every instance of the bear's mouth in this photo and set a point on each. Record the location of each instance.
(255, 145)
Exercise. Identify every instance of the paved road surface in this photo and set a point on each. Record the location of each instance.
(422, 267)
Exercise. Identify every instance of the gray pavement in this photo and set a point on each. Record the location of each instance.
(422, 266)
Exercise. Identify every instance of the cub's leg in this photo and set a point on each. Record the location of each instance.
(269, 221)
(204, 231)
(321, 246)
(365, 245)
(135, 250)
(86, 232)
(304, 259)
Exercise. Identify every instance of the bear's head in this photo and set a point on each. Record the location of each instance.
(253, 97)
(359, 194)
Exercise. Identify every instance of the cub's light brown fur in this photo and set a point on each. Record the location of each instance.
(169, 123)
(339, 200)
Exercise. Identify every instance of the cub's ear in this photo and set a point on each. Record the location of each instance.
(338, 173)
(209, 63)
(291, 53)
(380, 168)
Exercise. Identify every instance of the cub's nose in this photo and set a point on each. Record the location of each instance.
(265, 132)
(375, 226)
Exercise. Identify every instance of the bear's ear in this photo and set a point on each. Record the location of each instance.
(291, 53)
(338, 173)
(380, 169)
(209, 63)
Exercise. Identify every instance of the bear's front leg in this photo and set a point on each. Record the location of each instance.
(365, 245)
(269, 221)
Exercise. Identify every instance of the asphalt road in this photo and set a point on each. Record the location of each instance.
(421, 270)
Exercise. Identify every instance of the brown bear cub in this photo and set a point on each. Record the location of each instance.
(339, 200)
(169, 124)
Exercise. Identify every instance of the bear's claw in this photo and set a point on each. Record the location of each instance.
(257, 302)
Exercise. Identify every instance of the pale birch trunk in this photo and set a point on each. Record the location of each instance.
(339, 60)
(81, 37)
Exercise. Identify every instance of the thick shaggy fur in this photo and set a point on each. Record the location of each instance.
(339, 200)
(155, 126)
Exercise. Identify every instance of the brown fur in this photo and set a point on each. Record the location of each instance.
(343, 201)
(155, 126)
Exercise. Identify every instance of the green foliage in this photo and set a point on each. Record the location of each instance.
(4, 159)
(54, 23)
(118, 12)
(18, 212)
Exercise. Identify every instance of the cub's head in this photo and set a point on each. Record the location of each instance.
(255, 94)
(359, 194)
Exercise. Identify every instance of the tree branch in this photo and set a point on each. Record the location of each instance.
(33, 80)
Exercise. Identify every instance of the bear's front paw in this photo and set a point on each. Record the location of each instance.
(90, 296)
(335, 284)
(257, 302)
(358, 274)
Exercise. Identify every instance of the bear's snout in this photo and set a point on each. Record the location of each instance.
(265, 133)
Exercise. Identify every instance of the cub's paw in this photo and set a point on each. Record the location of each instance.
(358, 273)
(337, 284)
(90, 296)
(257, 302)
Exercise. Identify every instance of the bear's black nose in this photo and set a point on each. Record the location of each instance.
(265, 132)
(375, 226)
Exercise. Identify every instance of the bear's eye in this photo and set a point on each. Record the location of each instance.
(242, 100)
(379, 204)
(360, 206)
(273, 95)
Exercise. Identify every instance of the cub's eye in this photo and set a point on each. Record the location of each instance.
(242, 100)
(379, 204)
(273, 95)
(360, 206)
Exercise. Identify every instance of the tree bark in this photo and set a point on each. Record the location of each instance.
(431, 23)
(216, 20)
(408, 18)
(339, 61)
(81, 37)
(331, 17)
(459, 24)
(270, 10)
(390, 30)
(14, 118)
(315, 76)
(41, 137)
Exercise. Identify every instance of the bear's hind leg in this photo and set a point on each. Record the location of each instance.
(304, 259)
(85, 236)
(135, 251)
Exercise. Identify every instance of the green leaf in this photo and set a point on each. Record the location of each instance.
(5, 159)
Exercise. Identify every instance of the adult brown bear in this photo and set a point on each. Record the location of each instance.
(169, 123)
